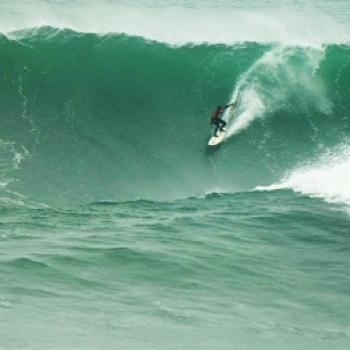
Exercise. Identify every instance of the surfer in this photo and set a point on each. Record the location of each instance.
(216, 118)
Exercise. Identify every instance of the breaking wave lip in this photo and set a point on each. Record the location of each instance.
(286, 25)
(327, 178)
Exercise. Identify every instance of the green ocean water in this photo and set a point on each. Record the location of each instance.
(121, 229)
(225, 271)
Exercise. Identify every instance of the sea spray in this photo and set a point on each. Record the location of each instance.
(273, 80)
(326, 177)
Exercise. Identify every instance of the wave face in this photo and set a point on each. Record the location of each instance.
(86, 117)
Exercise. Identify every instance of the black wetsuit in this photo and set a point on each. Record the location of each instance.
(217, 121)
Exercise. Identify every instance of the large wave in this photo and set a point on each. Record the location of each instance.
(86, 117)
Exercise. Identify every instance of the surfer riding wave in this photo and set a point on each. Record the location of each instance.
(216, 119)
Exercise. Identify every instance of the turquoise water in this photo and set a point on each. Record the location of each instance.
(226, 271)
(121, 229)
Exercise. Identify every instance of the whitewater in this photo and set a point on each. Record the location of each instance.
(120, 228)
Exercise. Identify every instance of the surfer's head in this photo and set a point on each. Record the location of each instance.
(218, 108)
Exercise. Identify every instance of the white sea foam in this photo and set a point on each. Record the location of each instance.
(252, 107)
(267, 85)
(326, 178)
(178, 25)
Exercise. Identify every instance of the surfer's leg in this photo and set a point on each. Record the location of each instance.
(223, 124)
(217, 126)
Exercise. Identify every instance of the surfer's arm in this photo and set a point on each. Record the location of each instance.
(231, 104)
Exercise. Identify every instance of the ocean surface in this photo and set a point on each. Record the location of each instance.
(121, 229)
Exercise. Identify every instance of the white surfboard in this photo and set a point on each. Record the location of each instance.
(215, 140)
